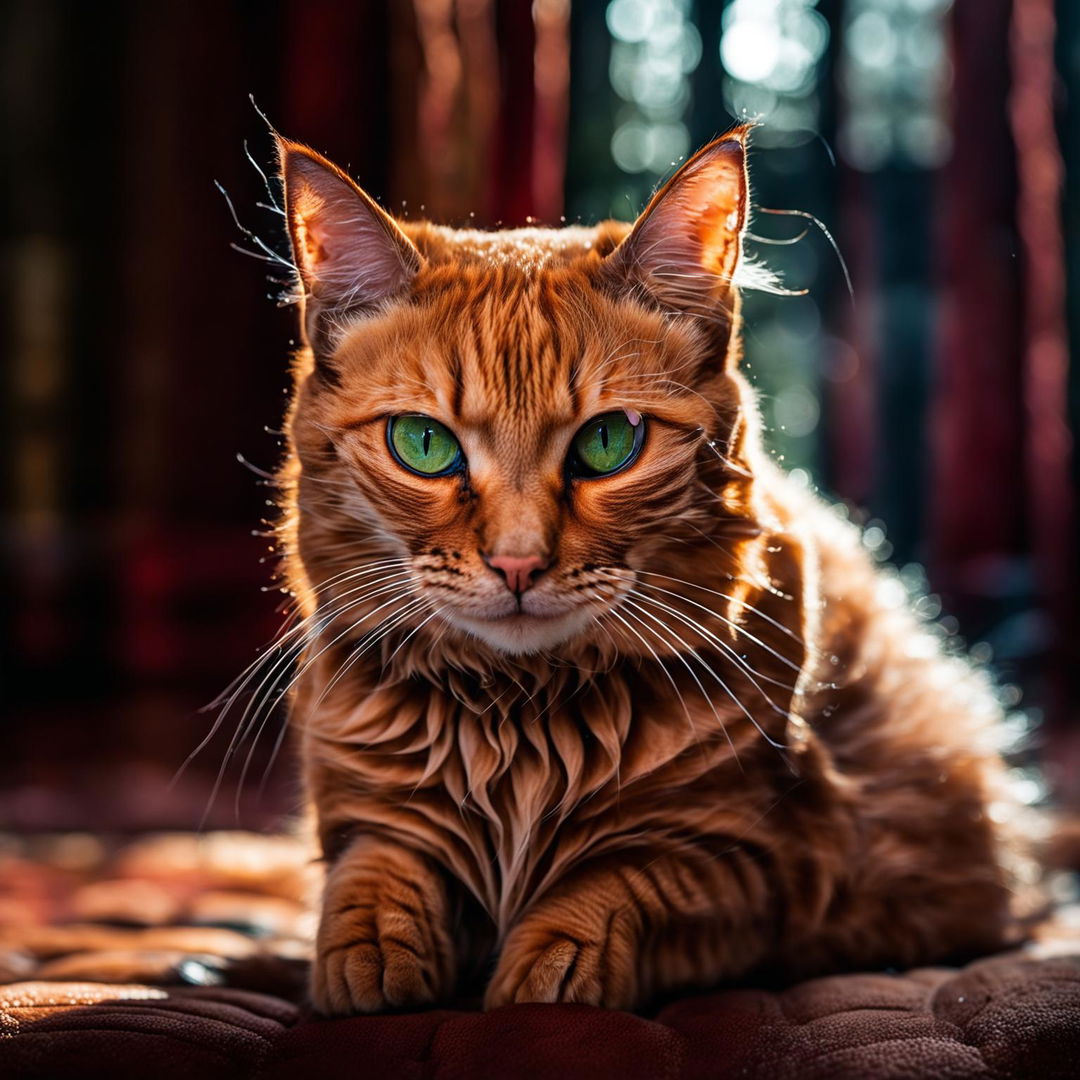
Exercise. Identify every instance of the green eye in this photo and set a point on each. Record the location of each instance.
(606, 444)
(423, 445)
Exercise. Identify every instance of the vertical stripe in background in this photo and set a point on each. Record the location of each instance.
(1048, 446)
(1066, 749)
(976, 540)
(551, 81)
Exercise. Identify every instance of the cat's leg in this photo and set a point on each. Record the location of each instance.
(384, 937)
(617, 933)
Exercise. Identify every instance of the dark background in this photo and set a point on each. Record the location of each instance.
(938, 142)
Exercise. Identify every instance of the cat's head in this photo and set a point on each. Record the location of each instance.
(498, 430)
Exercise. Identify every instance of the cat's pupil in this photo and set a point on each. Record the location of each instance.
(427, 440)
(604, 435)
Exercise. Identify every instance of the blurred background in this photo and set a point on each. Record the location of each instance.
(936, 143)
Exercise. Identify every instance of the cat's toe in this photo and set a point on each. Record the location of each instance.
(557, 968)
(371, 958)
(370, 976)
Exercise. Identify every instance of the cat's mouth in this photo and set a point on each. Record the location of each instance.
(519, 631)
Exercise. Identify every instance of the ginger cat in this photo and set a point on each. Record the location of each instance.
(595, 703)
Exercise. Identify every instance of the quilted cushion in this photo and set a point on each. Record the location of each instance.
(99, 987)
(998, 1018)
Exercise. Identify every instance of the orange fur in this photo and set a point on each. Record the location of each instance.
(711, 739)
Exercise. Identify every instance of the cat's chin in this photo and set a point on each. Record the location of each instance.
(519, 634)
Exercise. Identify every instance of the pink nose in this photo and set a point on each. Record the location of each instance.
(518, 572)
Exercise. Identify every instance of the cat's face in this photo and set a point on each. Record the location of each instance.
(520, 417)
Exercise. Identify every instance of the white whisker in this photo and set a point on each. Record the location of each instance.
(723, 686)
(725, 647)
(732, 599)
(660, 664)
(292, 682)
(686, 664)
(786, 661)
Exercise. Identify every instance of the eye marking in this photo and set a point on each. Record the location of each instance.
(424, 446)
(606, 444)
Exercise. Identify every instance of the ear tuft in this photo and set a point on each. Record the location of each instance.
(350, 253)
(686, 245)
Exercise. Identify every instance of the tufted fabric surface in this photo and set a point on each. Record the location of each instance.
(177, 958)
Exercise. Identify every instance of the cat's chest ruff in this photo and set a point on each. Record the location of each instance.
(520, 788)
(507, 792)
(551, 783)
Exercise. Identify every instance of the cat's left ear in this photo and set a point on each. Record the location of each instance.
(350, 254)
(686, 245)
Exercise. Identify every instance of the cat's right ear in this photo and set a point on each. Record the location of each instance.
(685, 247)
(350, 254)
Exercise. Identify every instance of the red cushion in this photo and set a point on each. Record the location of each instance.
(233, 907)
(1009, 1016)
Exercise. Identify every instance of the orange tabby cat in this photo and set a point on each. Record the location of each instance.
(595, 702)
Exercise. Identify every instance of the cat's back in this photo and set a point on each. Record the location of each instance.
(890, 695)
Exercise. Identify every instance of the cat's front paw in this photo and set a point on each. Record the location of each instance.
(546, 965)
(377, 955)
